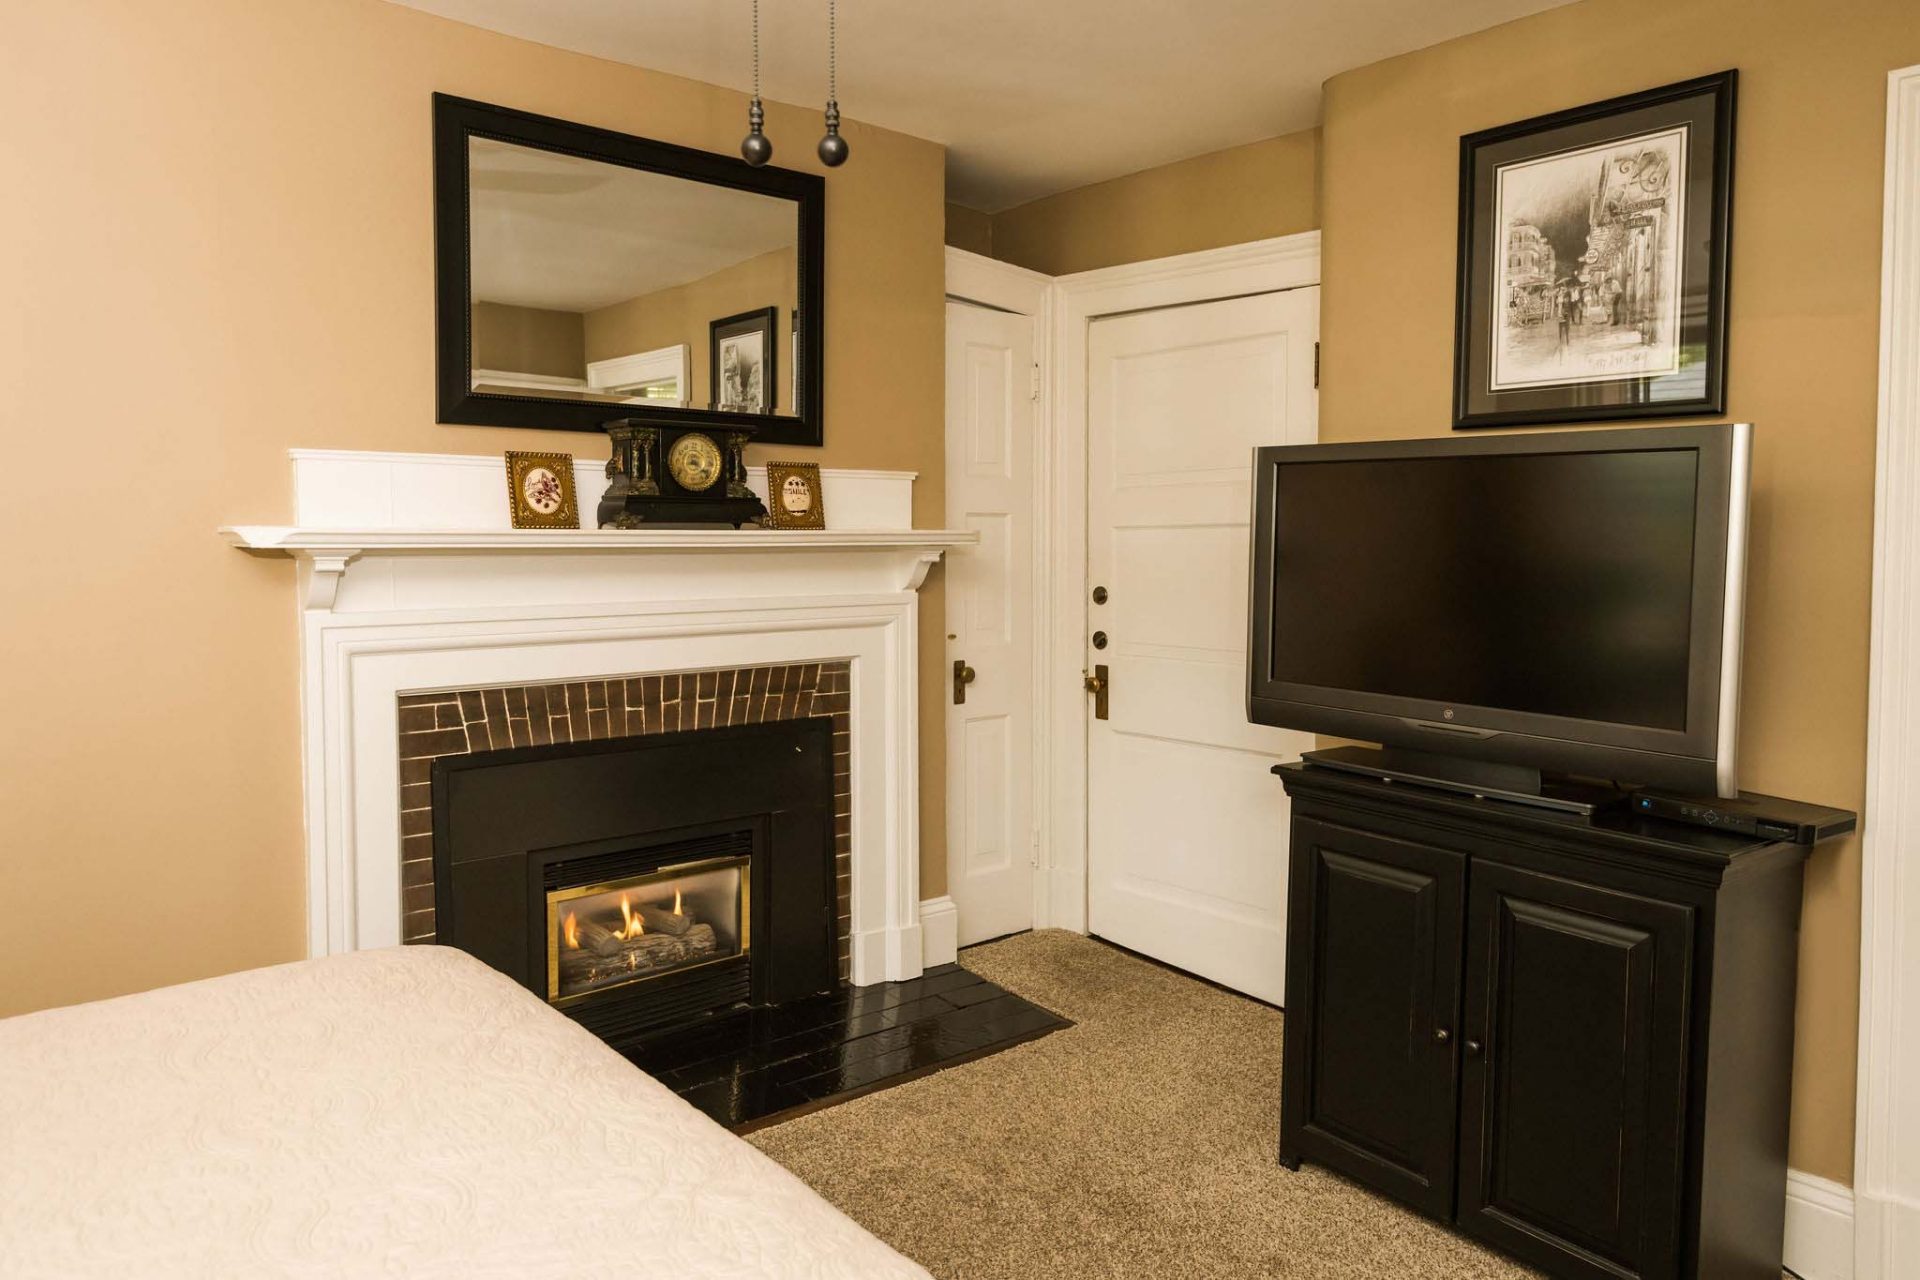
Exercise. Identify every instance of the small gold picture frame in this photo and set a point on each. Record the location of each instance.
(540, 490)
(794, 500)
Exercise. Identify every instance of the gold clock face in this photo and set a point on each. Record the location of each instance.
(694, 462)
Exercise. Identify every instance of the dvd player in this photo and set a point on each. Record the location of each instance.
(1763, 817)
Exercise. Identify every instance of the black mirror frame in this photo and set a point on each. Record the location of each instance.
(457, 119)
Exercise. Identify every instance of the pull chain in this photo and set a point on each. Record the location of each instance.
(833, 147)
(755, 148)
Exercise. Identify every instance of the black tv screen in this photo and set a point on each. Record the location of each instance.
(1568, 601)
(1553, 583)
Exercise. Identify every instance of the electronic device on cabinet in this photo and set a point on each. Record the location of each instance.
(1495, 608)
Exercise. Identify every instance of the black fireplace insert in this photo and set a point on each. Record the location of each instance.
(642, 884)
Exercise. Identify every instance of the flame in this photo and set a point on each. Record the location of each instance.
(633, 927)
(676, 902)
(573, 932)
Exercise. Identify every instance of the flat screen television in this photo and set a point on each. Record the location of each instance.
(1561, 603)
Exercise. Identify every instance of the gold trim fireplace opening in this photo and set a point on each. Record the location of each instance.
(638, 928)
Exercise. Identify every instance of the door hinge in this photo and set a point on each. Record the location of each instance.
(1316, 366)
(1033, 390)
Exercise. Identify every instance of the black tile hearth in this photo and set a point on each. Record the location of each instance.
(751, 1068)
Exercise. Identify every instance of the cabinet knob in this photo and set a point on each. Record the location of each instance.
(1441, 1035)
(1473, 1048)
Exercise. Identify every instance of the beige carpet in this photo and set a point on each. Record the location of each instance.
(1139, 1143)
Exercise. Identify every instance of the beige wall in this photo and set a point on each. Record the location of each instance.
(684, 312)
(529, 340)
(970, 229)
(1805, 299)
(220, 246)
(1228, 197)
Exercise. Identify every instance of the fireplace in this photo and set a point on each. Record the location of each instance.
(641, 927)
(644, 883)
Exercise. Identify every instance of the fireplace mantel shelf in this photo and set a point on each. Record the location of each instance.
(329, 551)
(318, 542)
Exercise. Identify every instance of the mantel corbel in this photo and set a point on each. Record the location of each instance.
(920, 567)
(325, 569)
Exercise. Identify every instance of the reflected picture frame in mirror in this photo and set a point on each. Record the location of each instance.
(650, 375)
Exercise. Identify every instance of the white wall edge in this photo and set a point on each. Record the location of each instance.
(939, 931)
(1819, 1228)
(1886, 1166)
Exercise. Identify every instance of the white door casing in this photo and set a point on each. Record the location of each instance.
(1187, 827)
(992, 390)
(1887, 1122)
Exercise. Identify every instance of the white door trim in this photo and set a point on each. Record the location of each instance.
(1062, 309)
(1886, 1167)
(1002, 286)
(1060, 798)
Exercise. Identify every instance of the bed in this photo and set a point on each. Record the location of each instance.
(400, 1112)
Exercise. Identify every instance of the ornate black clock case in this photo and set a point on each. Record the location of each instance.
(667, 475)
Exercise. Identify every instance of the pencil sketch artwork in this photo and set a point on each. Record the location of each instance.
(743, 373)
(1587, 288)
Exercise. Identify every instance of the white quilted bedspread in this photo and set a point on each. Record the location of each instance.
(406, 1112)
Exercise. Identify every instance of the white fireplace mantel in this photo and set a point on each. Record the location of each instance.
(414, 583)
(906, 554)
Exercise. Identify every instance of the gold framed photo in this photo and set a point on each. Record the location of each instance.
(794, 499)
(540, 490)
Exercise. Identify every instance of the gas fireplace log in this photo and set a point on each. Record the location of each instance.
(632, 957)
(635, 956)
(658, 921)
(598, 939)
(657, 950)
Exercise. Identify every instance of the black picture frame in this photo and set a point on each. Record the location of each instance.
(457, 119)
(1648, 293)
(762, 320)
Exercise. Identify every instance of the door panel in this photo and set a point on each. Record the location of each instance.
(1572, 1087)
(1370, 1050)
(989, 619)
(1186, 828)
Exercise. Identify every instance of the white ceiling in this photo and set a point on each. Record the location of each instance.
(1030, 96)
(570, 234)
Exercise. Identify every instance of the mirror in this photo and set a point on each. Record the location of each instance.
(588, 276)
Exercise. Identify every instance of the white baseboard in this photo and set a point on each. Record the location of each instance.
(939, 931)
(1819, 1228)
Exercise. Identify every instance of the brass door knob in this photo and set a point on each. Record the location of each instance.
(962, 677)
(1096, 684)
(1441, 1035)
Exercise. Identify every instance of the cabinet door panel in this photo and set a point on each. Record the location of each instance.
(1372, 1002)
(1574, 1075)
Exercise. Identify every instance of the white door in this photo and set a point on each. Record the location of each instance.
(990, 401)
(1187, 840)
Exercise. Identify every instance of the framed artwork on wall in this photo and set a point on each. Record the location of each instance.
(743, 360)
(1593, 261)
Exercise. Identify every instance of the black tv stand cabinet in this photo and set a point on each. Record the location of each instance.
(1569, 1036)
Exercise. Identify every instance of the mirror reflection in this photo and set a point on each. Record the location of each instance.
(595, 282)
